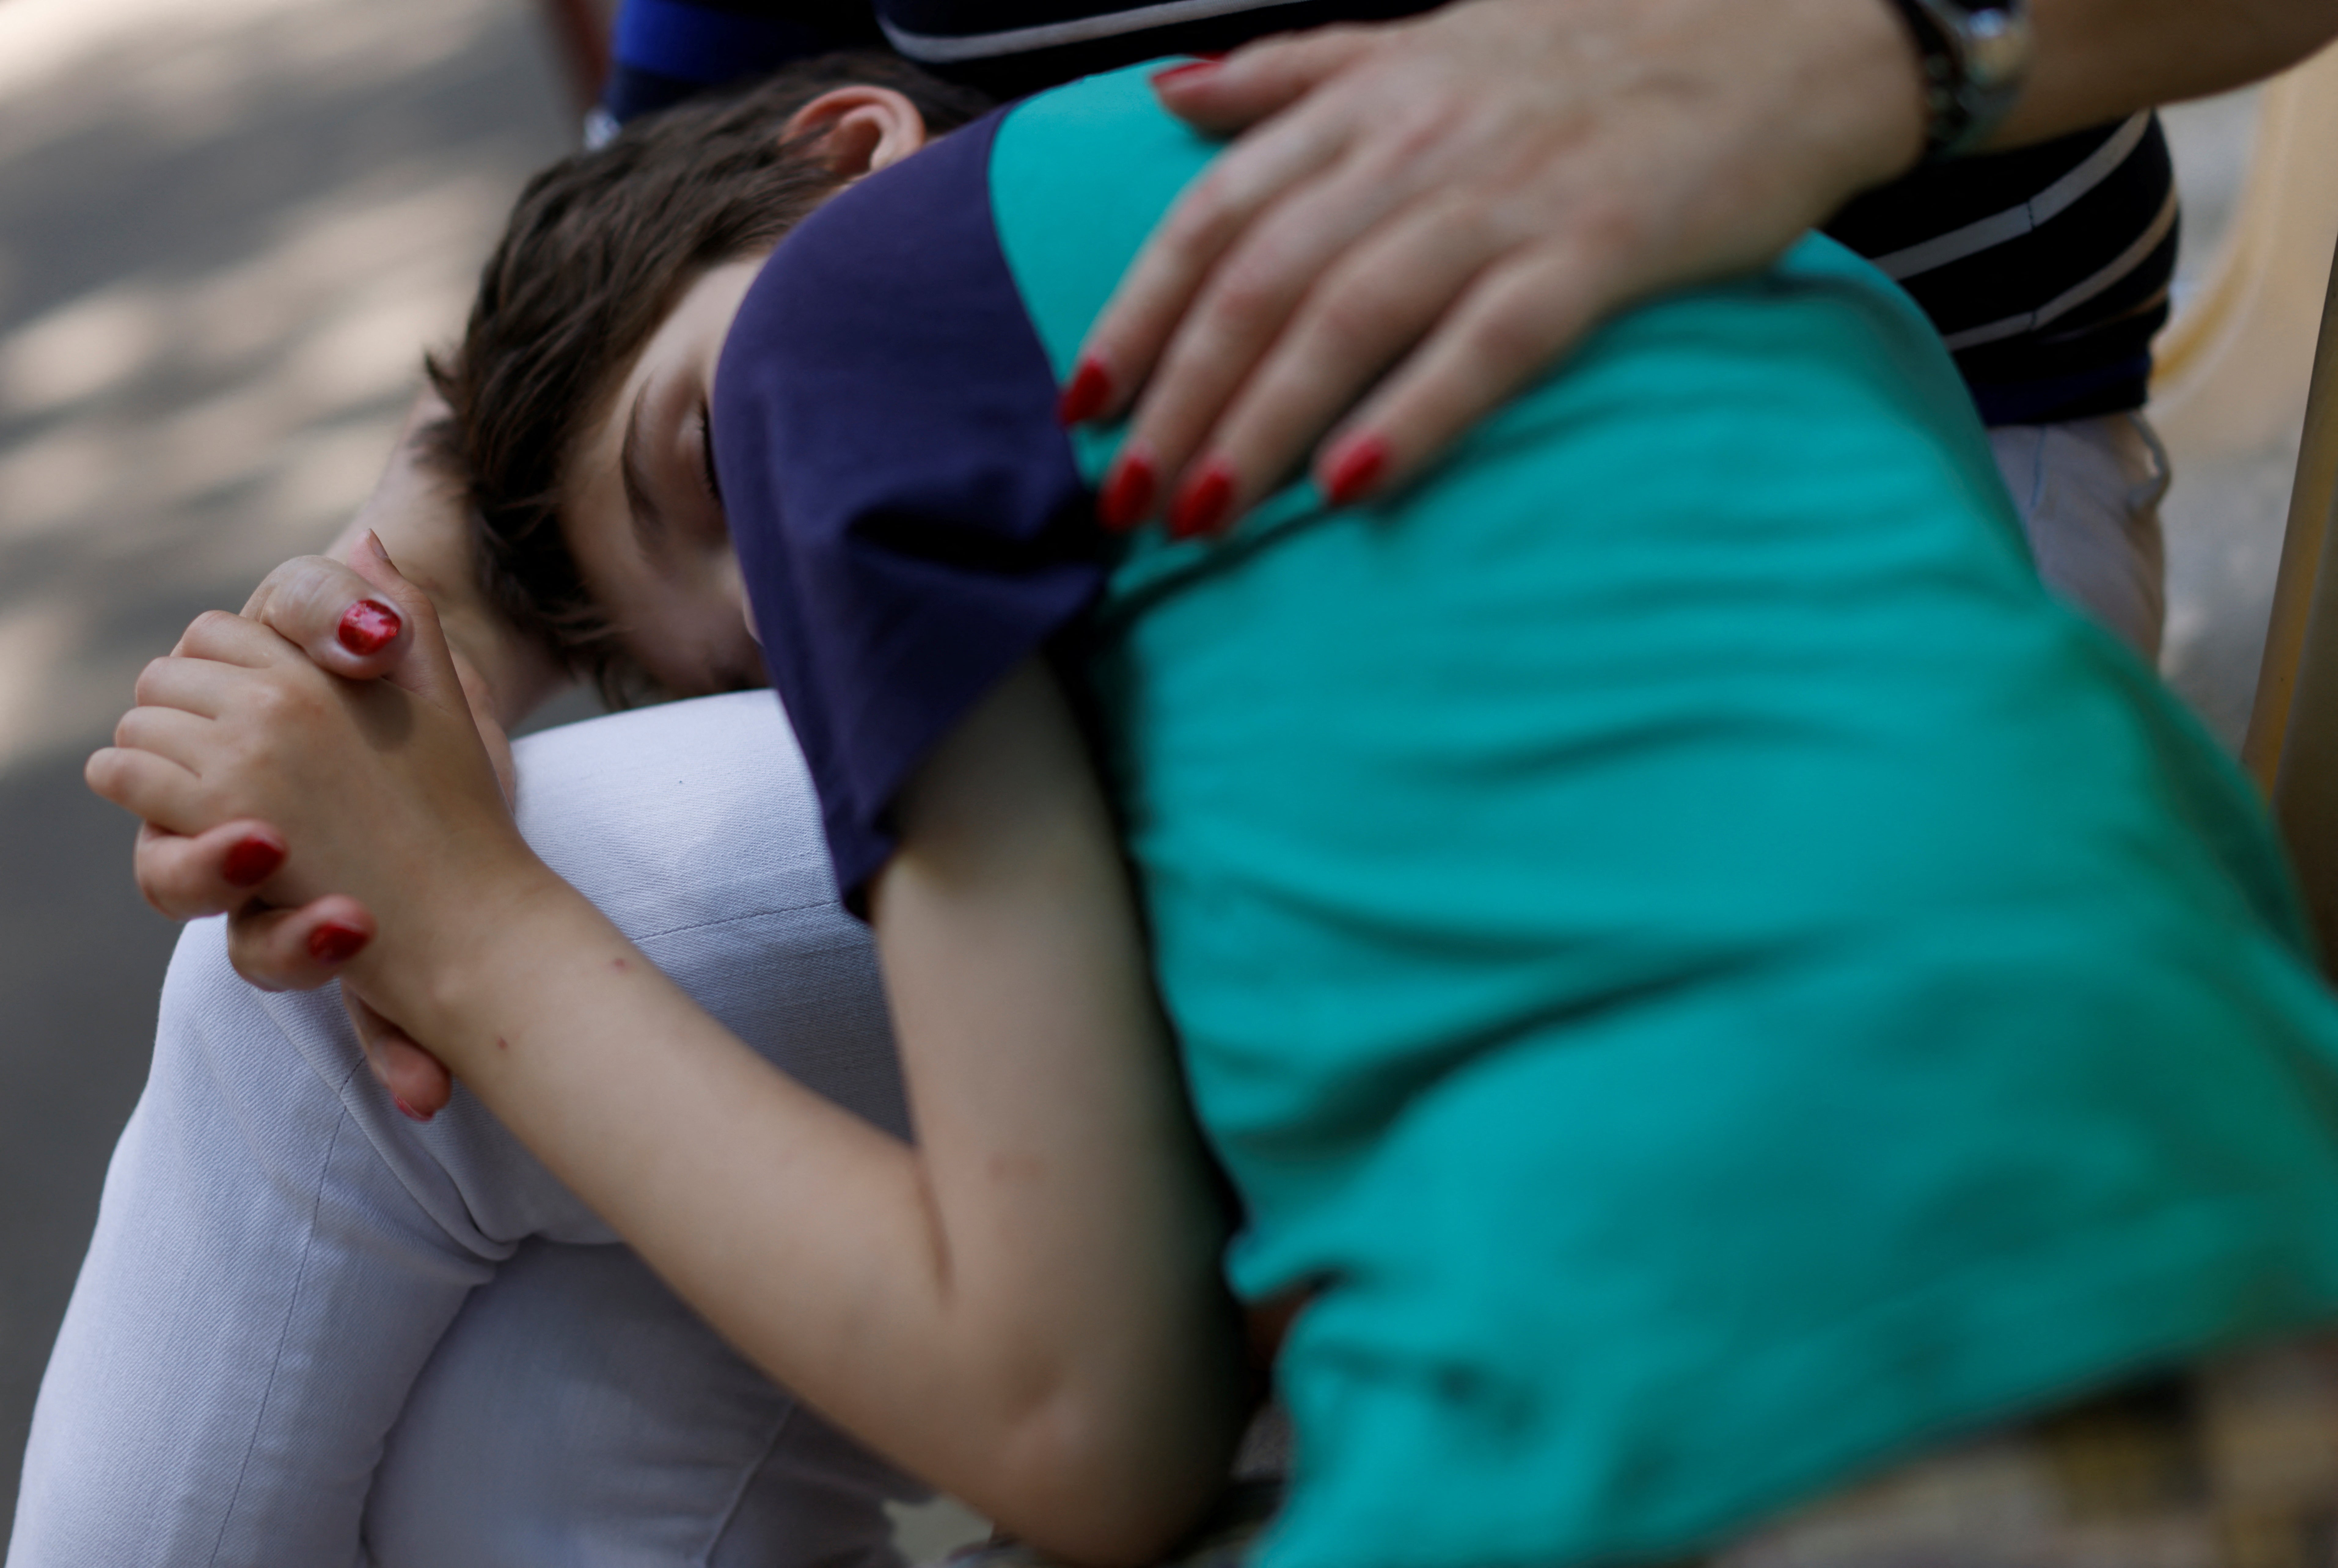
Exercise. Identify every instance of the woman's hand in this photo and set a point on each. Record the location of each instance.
(311, 802)
(346, 626)
(418, 513)
(1462, 197)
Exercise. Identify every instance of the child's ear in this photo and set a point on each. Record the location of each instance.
(861, 128)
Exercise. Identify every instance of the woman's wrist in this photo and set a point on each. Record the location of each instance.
(474, 950)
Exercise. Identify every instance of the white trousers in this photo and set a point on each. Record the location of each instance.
(2088, 493)
(310, 1332)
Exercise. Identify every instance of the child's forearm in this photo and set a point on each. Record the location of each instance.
(1024, 1307)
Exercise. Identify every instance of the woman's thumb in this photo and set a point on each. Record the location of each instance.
(424, 666)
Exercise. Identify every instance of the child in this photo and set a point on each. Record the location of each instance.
(1705, 980)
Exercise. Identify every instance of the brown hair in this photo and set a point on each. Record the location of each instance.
(598, 249)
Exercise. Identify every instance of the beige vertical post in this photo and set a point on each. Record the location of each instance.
(2304, 708)
(2298, 591)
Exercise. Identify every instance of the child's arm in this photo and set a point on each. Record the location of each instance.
(1024, 1307)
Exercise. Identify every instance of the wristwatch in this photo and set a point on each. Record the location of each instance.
(1975, 55)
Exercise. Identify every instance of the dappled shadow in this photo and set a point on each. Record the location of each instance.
(227, 233)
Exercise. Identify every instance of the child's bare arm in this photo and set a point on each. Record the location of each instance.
(1024, 1307)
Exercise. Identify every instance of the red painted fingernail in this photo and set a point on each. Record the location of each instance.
(1127, 494)
(1201, 507)
(367, 626)
(251, 861)
(334, 943)
(1355, 465)
(1089, 389)
(409, 1112)
(1188, 71)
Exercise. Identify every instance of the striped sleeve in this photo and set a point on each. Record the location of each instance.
(2045, 269)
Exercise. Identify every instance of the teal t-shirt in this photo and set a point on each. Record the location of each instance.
(1712, 977)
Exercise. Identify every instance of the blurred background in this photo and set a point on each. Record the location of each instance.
(226, 230)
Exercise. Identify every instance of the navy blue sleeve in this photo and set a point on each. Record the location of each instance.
(905, 505)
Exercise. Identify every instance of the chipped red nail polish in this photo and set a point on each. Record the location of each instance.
(367, 626)
(1355, 466)
(1185, 72)
(1085, 395)
(251, 861)
(1201, 507)
(409, 1112)
(334, 943)
(1127, 494)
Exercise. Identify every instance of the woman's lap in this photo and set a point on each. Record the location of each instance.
(2088, 492)
(575, 1410)
(279, 1255)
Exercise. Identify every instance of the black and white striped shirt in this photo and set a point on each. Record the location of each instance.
(2045, 269)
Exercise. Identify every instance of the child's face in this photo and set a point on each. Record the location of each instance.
(642, 520)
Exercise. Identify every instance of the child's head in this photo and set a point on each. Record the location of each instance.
(579, 383)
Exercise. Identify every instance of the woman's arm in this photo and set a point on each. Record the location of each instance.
(1024, 1307)
(2101, 60)
(417, 513)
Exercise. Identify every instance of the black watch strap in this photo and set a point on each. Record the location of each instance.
(1975, 55)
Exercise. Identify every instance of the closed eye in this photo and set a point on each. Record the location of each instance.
(706, 454)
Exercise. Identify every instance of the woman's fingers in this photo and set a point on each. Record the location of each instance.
(1372, 305)
(337, 617)
(423, 663)
(1120, 352)
(1510, 324)
(167, 732)
(226, 639)
(202, 687)
(418, 1083)
(153, 788)
(298, 949)
(1598, 150)
(186, 877)
(1224, 96)
(1244, 315)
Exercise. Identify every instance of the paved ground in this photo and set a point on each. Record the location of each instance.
(223, 228)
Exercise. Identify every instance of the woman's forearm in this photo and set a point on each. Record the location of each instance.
(2100, 60)
(1024, 1307)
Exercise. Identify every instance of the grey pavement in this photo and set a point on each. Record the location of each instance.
(225, 228)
